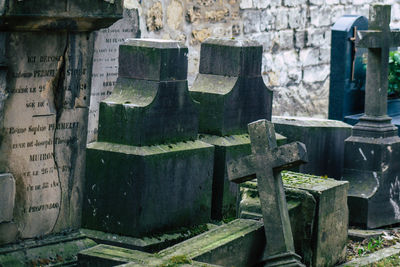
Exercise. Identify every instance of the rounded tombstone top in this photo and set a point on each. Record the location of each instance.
(153, 60)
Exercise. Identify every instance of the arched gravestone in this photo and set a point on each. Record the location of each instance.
(347, 78)
(46, 50)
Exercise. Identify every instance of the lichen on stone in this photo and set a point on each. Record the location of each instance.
(154, 19)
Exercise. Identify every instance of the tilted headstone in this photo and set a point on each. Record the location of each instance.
(147, 173)
(231, 93)
(46, 54)
(266, 162)
(323, 138)
(347, 78)
(371, 154)
(105, 63)
(318, 215)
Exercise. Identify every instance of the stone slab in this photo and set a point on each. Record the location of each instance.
(327, 242)
(324, 140)
(104, 255)
(105, 63)
(149, 244)
(60, 250)
(225, 193)
(7, 197)
(374, 257)
(361, 234)
(160, 187)
(331, 220)
(238, 243)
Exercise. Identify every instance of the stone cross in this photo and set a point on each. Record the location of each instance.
(265, 163)
(378, 39)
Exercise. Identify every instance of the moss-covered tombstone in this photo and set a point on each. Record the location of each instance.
(147, 173)
(231, 93)
(318, 215)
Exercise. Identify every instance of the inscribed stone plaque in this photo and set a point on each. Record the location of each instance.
(44, 107)
(44, 127)
(105, 63)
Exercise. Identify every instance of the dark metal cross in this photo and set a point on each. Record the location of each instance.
(378, 39)
(265, 163)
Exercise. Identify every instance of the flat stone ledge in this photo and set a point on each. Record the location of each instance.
(360, 234)
(374, 257)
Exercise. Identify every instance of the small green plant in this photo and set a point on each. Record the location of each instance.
(394, 74)
(372, 245)
(176, 261)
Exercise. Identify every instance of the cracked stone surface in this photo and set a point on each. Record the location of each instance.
(44, 107)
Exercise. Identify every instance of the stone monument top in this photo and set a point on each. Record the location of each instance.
(230, 57)
(229, 86)
(150, 103)
(22, 15)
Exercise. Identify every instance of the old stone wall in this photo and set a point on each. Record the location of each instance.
(295, 35)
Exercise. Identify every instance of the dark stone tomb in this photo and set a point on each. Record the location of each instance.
(372, 153)
(347, 78)
(231, 93)
(147, 173)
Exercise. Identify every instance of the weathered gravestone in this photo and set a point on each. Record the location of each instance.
(371, 162)
(347, 78)
(105, 63)
(46, 54)
(266, 162)
(231, 93)
(323, 138)
(147, 173)
(239, 243)
(104, 255)
(318, 215)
